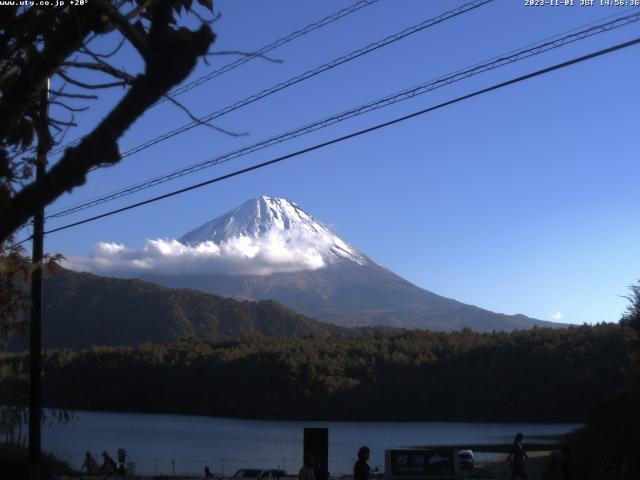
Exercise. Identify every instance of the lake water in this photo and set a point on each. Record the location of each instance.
(225, 445)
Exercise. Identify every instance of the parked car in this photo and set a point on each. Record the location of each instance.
(465, 457)
(259, 474)
(247, 473)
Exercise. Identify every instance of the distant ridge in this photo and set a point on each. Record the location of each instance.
(82, 309)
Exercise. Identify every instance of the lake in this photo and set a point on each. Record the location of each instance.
(225, 444)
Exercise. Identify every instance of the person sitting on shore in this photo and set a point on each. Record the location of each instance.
(108, 464)
(90, 465)
(361, 468)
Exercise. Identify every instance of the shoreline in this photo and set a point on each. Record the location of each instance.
(155, 442)
(495, 468)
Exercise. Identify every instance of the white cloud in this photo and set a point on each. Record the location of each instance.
(276, 251)
(557, 316)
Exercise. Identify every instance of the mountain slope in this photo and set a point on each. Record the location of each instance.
(355, 295)
(81, 309)
(349, 289)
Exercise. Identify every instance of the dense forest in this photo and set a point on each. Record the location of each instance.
(533, 375)
(611, 436)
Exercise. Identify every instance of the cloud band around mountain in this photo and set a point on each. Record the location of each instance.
(274, 252)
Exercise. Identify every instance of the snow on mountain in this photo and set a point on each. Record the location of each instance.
(263, 236)
(264, 216)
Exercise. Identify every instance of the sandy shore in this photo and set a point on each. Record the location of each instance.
(495, 468)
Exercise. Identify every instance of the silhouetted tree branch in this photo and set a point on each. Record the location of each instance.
(36, 44)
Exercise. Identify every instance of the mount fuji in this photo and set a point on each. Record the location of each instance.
(264, 216)
(325, 276)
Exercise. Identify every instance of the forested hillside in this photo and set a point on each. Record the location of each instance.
(81, 310)
(539, 374)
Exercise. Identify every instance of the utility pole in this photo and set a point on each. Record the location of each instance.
(35, 364)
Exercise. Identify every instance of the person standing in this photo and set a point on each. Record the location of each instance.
(517, 457)
(108, 465)
(361, 468)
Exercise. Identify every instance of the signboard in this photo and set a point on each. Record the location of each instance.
(420, 463)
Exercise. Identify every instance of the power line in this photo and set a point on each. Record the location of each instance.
(252, 56)
(311, 73)
(267, 48)
(358, 133)
(354, 54)
(389, 100)
(495, 62)
(308, 74)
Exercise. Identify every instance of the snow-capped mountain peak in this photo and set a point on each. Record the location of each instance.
(257, 218)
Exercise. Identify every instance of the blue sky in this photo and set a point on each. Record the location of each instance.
(523, 200)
